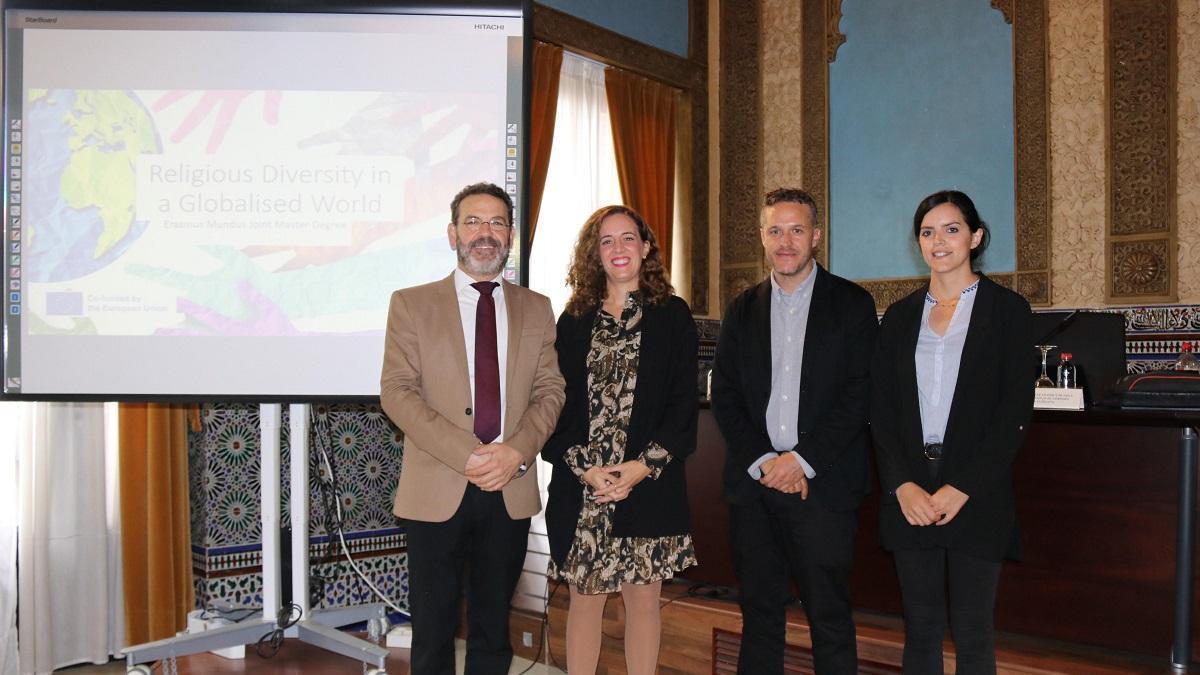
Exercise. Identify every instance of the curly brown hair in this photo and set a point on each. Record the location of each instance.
(586, 275)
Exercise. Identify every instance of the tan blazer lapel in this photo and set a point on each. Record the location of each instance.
(451, 320)
(516, 318)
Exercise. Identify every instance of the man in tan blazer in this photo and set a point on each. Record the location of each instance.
(467, 501)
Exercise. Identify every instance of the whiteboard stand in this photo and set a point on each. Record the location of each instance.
(318, 628)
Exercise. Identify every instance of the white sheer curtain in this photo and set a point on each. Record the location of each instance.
(69, 588)
(582, 176)
(9, 424)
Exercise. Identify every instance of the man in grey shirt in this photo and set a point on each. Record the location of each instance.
(790, 395)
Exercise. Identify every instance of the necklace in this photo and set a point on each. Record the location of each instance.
(929, 297)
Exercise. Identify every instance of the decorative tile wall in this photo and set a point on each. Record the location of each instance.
(365, 452)
(1154, 335)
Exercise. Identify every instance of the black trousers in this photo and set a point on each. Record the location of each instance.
(481, 536)
(779, 535)
(925, 577)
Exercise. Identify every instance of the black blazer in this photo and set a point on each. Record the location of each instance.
(990, 411)
(665, 406)
(834, 396)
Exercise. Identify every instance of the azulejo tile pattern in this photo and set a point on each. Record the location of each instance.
(1154, 335)
(708, 330)
(232, 575)
(364, 450)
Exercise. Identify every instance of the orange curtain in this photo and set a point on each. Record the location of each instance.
(643, 125)
(543, 104)
(155, 525)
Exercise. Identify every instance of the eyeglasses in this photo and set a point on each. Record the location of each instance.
(475, 224)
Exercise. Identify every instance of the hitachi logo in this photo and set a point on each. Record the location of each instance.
(488, 26)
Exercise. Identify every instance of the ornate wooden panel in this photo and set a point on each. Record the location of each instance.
(741, 146)
(1141, 235)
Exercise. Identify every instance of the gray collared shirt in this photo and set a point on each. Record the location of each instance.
(789, 324)
(937, 360)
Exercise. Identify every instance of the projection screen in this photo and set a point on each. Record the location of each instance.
(219, 204)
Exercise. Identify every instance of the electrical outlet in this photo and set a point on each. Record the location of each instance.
(527, 639)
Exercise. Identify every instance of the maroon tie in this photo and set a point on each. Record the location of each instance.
(487, 365)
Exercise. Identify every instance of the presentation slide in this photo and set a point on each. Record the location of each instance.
(207, 204)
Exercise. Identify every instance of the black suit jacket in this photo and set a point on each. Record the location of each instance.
(990, 411)
(665, 405)
(834, 396)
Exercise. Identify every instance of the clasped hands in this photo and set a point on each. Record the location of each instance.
(921, 508)
(490, 467)
(785, 474)
(614, 483)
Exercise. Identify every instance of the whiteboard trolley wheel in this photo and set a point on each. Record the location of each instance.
(139, 669)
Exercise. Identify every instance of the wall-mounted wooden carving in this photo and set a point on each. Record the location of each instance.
(1006, 8)
(814, 109)
(1140, 72)
(833, 31)
(741, 146)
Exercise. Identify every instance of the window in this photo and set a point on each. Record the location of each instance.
(581, 178)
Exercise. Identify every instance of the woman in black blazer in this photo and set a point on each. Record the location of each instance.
(952, 393)
(617, 514)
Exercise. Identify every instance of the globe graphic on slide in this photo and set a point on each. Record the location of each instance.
(80, 181)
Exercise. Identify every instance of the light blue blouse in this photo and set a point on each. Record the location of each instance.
(937, 360)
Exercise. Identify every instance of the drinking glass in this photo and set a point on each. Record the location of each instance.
(1044, 379)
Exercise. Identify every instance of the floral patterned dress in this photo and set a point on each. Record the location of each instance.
(599, 562)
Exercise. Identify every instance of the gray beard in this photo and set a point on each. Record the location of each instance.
(483, 268)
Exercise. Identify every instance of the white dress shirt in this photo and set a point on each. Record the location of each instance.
(468, 302)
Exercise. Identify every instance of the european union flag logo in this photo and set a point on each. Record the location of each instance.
(64, 303)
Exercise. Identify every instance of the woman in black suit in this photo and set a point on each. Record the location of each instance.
(952, 394)
(617, 514)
